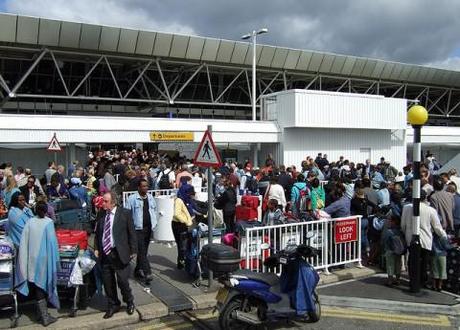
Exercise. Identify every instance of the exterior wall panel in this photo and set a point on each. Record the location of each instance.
(128, 40)
(8, 27)
(302, 108)
(353, 144)
(81, 129)
(27, 30)
(49, 32)
(70, 35)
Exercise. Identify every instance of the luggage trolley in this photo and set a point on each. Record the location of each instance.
(7, 268)
(68, 256)
(199, 240)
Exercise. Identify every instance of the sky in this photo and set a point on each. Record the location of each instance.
(410, 31)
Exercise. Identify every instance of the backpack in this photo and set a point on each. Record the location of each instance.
(251, 184)
(303, 200)
(398, 244)
(164, 181)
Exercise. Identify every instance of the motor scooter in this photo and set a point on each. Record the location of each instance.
(251, 299)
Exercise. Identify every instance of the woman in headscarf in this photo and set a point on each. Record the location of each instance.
(38, 263)
(182, 219)
(18, 216)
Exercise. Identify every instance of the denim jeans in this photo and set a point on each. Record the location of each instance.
(364, 240)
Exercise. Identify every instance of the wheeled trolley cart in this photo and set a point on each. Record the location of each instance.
(68, 257)
(7, 267)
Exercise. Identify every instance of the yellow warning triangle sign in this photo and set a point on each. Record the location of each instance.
(207, 154)
(54, 144)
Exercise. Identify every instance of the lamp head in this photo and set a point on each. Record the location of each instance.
(263, 30)
(417, 115)
(246, 37)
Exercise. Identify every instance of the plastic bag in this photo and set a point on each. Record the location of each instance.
(7, 249)
(218, 218)
(76, 277)
(86, 264)
(378, 223)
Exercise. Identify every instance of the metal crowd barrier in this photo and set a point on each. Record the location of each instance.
(338, 242)
(155, 193)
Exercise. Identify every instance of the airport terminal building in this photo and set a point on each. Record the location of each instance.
(101, 85)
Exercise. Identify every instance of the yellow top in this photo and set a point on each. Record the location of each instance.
(181, 213)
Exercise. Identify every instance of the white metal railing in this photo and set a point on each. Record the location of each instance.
(322, 235)
(155, 193)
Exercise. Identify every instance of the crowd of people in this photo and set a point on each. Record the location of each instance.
(380, 193)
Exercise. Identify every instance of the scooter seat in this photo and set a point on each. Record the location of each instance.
(267, 278)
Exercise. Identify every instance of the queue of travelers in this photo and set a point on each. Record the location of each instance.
(339, 188)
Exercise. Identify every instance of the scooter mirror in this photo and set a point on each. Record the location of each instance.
(310, 234)
(264, 246)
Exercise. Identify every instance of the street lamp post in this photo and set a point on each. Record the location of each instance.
(417, 117)
(253, 35)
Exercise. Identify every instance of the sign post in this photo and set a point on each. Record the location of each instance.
(54, 146)
(207, 156)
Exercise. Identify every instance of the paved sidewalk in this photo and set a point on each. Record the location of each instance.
(171, 290)
(371, 293)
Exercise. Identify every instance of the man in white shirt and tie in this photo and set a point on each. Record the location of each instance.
(115, 247)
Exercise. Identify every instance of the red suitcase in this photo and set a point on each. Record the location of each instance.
(250, 201)
(245, 213)
(72, 237)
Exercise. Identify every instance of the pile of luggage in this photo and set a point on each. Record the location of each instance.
(70, 214)
(248, 210)
(75, 276)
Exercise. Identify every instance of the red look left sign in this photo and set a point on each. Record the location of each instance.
(346, 230)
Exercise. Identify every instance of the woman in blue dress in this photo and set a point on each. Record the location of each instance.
(18, 215)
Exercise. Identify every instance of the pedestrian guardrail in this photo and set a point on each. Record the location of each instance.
(337, 241)
(155, 193)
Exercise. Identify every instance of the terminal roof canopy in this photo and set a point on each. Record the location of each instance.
(41, 32)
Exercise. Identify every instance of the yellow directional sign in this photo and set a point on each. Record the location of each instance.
(171, 136)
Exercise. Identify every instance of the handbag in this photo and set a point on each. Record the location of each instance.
(319, 201)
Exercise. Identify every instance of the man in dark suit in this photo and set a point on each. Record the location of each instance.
(115, 247)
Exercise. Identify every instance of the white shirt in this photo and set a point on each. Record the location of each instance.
(456, 180)
(112, 217)
(32, 196)
(276, 191)
(429, 222)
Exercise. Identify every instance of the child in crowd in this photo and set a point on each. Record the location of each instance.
(274, 215)
(395, 246)
(438, 260)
